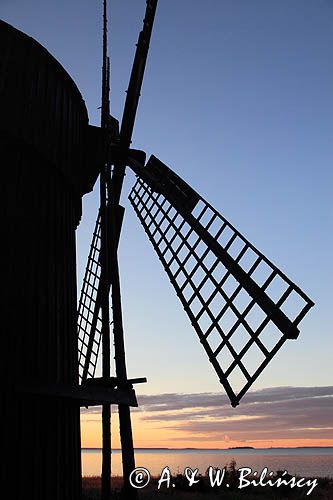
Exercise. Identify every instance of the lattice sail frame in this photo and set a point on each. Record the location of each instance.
(89, 313)
(203, 254)
(89, 321)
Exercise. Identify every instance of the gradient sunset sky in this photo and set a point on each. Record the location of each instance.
(237, 98)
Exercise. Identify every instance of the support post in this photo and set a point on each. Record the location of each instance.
(104, 255)
(106, 410)
(126, 131)
(126, 437)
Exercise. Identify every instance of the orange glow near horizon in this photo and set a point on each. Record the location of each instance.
(156, 434)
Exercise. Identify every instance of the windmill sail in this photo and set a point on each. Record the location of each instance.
(242, 306)
(89, 312)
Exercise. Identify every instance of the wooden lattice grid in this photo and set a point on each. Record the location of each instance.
(89, 313)
(239, 337)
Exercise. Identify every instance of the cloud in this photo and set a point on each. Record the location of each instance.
(274, 413)
(267, 414)
(176, 401)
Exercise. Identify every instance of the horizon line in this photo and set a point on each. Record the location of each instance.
(225, 449)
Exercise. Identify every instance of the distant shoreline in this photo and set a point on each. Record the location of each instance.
(220, 449)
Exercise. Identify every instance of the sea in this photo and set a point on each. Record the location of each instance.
(304, 462)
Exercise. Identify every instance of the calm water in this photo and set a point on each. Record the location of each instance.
(316, 462)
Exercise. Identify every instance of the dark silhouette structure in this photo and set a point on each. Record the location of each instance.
(242, 307)
(46, 151)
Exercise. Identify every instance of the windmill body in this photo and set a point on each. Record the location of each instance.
(46, 172)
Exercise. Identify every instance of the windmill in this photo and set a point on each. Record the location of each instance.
(242, 307)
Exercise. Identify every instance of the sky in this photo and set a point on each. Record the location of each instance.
(237, 99)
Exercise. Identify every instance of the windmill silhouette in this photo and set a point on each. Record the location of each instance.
(242, 307)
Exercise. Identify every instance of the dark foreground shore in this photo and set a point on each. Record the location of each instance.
(203, 490)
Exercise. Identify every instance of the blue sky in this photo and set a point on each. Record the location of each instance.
(237, 98)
